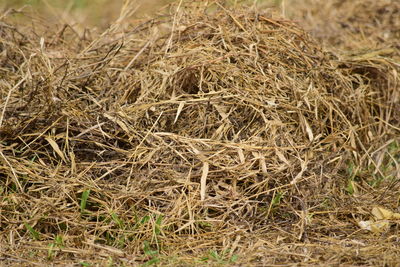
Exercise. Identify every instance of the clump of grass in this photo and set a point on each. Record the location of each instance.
(205, 131)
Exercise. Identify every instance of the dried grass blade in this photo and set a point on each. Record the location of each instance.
(56, 148)
(178, 112)
(203, 181)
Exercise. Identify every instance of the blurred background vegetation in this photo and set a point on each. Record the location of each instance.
(89, 12)
(102, 12)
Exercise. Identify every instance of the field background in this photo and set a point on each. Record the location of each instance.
(92, 13)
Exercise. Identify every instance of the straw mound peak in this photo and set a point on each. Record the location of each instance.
(233, 78)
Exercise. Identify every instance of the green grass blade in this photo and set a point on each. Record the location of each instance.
(117, 220)
(35, 234)
(157, 229)
(84, 198)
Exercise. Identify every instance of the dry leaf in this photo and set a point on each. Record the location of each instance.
(375, 227)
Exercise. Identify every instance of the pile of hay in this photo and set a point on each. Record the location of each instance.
(205, 129)
(365, 36)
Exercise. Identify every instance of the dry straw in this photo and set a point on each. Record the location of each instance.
(208, 129)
